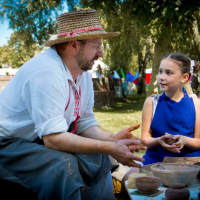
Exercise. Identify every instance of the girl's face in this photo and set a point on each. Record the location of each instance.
(170, 76)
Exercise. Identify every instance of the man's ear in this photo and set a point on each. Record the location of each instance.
(185, 78)
(73, 46)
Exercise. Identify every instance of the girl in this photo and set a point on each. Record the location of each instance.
(173, 112)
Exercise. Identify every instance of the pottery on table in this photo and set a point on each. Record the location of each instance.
(147, 184)
(175, 173)
(170, 140)
(198, 164)
(199, 194)
(177, 191)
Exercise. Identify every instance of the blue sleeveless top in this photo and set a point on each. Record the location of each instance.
(176, 118)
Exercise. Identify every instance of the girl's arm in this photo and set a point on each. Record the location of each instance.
(147, 115)
(192, 143)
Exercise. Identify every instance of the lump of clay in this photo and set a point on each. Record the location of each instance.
(170, 140)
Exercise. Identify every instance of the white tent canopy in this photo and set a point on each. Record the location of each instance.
(94, 70)
(148, 71)
(9, 70)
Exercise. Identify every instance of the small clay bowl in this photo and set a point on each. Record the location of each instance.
(147, 184)
(170, 140)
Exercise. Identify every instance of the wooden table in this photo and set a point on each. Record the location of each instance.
(193, 188)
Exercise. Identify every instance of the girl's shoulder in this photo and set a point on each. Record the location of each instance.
(156, 96)
(154, 99)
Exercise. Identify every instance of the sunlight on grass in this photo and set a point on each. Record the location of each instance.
(125, 112)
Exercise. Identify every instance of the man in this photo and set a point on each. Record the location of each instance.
(49, 138)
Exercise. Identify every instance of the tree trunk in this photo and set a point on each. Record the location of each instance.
(196, 84)
(142, 71)
(162, 46)
(142, 75)
(196, 38)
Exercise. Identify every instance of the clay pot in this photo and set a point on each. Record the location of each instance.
(170, 140)
(147, 184)
(199, 195)
(198, 163)
(177, 191)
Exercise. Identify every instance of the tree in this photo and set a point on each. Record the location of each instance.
(172, 24)
(5, 55)
(171, 19)
(15, 54)
(32, 18)
(117, 16)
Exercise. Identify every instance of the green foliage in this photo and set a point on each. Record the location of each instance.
(122, 51)
(14, 53)
(5, 55)
(34, 19)
(169, 24)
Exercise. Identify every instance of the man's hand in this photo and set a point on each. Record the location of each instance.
(120, 151)
(126, 134)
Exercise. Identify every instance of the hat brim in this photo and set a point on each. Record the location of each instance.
(80, 37)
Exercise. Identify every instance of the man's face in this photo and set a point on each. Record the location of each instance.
(88, 53)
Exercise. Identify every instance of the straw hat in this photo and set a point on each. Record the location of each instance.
(78, 25)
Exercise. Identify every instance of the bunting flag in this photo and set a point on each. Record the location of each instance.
(116, 75)
(129, 77)
(123, 74)
(111, 76)
(136, 76)
(136, 81)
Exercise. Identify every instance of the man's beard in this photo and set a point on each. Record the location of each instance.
(83, 62)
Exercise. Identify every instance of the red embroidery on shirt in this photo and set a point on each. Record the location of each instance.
(77, 105)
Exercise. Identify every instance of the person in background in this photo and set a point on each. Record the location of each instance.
(50, 140)
(196, 80)
(99, 72)
(171, 113)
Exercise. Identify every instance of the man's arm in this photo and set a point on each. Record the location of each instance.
(77, 144)
(96, 132)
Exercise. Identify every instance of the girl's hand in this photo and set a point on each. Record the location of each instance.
(172, 148)
(181, 141)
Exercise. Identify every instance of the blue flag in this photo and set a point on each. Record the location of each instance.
(116, 75)
(129, 77)
(136, 76)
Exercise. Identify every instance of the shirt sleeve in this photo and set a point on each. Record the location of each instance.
(45, 95)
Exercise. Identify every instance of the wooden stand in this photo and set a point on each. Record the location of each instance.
(103, 99)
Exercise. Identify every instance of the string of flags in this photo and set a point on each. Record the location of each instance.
(129, 77)
(132, 78)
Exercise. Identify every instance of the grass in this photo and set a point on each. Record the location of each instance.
(125, 112)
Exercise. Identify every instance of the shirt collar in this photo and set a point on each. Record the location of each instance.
(69, 76)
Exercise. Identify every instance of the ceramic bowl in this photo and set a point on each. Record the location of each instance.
(147, 184)
(170, 173)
